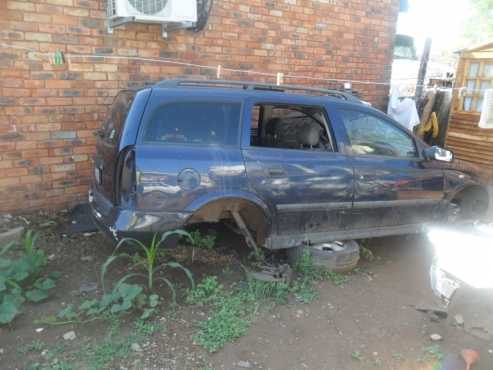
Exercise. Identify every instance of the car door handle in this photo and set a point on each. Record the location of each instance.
(276, 171)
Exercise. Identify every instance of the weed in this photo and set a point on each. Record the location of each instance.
(125, 297)
(207, 291)
(257, 256)
(53, 366)
(307, 269)
(200, 241)
(433, 352)
(304, 291)
(337, 278)
(230, 320)
(146, 329)
(366, 254)
(262, 290)
(357, 356)
(21, 276)
(35, 346)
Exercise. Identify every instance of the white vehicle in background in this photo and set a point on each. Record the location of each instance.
(405, 66)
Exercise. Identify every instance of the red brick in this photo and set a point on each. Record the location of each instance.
(50, 104)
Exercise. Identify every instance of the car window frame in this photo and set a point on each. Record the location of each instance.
(247, 117)
(151, 108)
(384, 118)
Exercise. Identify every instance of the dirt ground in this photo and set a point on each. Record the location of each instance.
(370, 322)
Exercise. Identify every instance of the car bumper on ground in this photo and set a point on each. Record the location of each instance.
(119, 223)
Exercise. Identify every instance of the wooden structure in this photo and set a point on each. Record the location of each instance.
(468, 141)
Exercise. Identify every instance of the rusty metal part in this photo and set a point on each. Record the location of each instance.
(244, 230)
(273, 274)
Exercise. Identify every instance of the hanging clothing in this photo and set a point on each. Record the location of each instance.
(403, 111)
(486, 119)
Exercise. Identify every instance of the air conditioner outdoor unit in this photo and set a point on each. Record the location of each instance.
(153, 11)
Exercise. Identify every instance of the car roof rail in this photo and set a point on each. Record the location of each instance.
(247, 85)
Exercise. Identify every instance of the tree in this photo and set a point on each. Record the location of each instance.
(479, 28)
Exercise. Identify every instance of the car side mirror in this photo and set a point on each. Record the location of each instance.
(438, 154)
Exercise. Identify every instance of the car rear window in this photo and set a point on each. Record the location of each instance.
(202, 123)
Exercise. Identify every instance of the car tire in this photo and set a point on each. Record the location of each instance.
(334, 256)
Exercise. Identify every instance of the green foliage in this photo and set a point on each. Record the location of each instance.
(304, 291)
(229, 320)
(231, 312)
(356, 355)
(126, 297)
(198, 240)
(22, 277)
(433, 352)
(479, 27)
(262, 290)
(336, 278)
(367, 254)
(146, 328)
(206, 292)
(309, 272)
(35, 346)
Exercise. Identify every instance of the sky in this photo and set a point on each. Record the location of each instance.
(442, 20)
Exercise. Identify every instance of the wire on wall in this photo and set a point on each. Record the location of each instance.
(217, 68)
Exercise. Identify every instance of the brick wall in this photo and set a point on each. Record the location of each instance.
(48, 113)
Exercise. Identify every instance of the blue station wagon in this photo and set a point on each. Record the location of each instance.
(288, 165)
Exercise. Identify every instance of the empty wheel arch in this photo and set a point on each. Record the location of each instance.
(471, 203)
(255, 218)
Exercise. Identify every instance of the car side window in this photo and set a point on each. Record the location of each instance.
(202, 123)
(290, 127)
(371, 135)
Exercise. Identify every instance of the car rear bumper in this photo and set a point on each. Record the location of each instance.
(119, 223)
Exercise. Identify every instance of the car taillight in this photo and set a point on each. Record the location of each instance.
(127, 183)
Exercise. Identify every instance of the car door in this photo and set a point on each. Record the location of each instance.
(394, 187)
(307, 189)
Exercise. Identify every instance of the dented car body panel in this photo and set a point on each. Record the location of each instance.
(187, 155)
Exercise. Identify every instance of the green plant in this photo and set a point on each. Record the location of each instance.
(356, 355)
(307, 269)
(257, 255)
(145, 328)
(125, 296)
(366, 254)
(200, 241)
(148, 261)
(304, 291)
(207, 291)
(229, 320)
(22, 277)
(262, 290)
(337, 278)
(35, 346)
(433, 352)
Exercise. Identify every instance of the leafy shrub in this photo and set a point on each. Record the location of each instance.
(22, 277)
